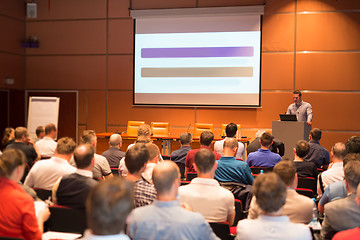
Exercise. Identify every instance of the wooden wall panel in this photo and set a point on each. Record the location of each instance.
(327, 5)
(120, 72)
(82, 107)
(277, 71)
(81, 128)
(154, 4)
(328, 71)
(278, 32)
(328, 139)
(65, 72)
(120, 110)
(12, 33)
(119, 8)
(279, 6)
(69, 9)
(120, 37)
(68, 37)
(96, 111)
(12, 66)
(335, 110)
(13, 8)
(221, 3)
(328, 31)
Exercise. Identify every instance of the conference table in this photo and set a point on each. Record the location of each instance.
(166, 141)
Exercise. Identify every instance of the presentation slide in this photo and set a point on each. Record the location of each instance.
(180, 64)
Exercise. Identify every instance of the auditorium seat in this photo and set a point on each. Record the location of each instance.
(132, 127)
(201, 127)
(43, 194)
(160, 128)
(256, 170)
(308, 183)
(115, 171)
(222, 230)
(306, 192)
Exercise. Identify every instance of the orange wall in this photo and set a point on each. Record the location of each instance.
(87, 45)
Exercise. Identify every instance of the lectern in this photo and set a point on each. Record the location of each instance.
(289, 133)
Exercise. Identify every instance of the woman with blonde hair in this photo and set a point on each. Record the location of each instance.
(8, 137)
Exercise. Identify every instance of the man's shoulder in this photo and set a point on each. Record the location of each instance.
(99, 158)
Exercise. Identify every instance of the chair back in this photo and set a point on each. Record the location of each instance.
(200, 127)
(43, 194)
(307, 183)
(10, 238)
(256, 170)
(222, 230)
(223, 130)
(160, 128)
(115, 171)
(181, 168)
(191, 175)
(64, 219)
(132, 127)
(306, 192)
(239, 214)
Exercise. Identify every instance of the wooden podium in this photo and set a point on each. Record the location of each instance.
(289, 133)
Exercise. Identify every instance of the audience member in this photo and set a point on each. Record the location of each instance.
(136, 159)
(45, 173)
(179, 155)
(263, 157)
(354, 233)
(231, 170)
(344, 213)
(298, 208)
(336, 172)
(205, 195)
(317, 153)
(73, 189)
(270, 193)
(165, 218)
(8, 137)
(46, 146)
(144, 135)
(206, 139)
(154, 154)
(353, 144)
(230, 130)
(101, 167)
(40, 133)
(303, 169)
(107, 207)
(114, 154)
(277, 146)
(17, 210)
(25, 144)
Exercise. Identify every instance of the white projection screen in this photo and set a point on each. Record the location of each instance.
(198, 61)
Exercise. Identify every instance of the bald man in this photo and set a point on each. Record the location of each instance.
(165, 218)
(114, 153)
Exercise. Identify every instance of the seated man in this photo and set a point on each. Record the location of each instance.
(45, 173)
(317, 154)
(114, 153)
(165, 218)
(47, 145)
(107, 208)
(154, 155)
(277, 146)
(303, 169)
(270, 193)
(40, 133)
(205, 195)
(298, 208)
(180, 154)
(263, 157)
(353, 144)
(230, 131)
(206, 139)
(136, 159)
(344, 213)
(231, 170)
(72, 190)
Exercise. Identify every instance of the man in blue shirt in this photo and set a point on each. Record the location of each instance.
(165, 218)
(180, 154)
(263, 157)
(231, 170)
(317, 153)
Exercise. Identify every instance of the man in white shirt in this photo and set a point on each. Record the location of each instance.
(230, 130)
(205, 195)
(45, 173)
(47, 145)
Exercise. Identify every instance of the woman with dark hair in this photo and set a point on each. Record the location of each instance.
(17, 209)
(8, 137)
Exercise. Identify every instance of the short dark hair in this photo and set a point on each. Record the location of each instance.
(315, 134)
(153, 150)
(185, 138)
(164, 175)
(339, 150)
(83, 157)
(88, 136)
(206, 138)
(286, 170)
(270, 192)
(302, 148)
(39, 130)
(266, 139)
(297, 92)
(49, 128)
(136, 157)
(204, 160)
(231, 130)
(20, 132)
(353, 144)
(65, 146)
(108, 205)
(352, 174)
(10, 160)
(351, 157)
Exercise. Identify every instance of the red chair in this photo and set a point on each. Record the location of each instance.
(306, 192)
(222, 230)
(308, 183)
(115, 171)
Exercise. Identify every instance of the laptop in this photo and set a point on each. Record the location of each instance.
(288, 117)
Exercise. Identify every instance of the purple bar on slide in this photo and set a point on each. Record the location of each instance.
(195, 52)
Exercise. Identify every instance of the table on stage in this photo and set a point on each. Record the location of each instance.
(166, 141)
